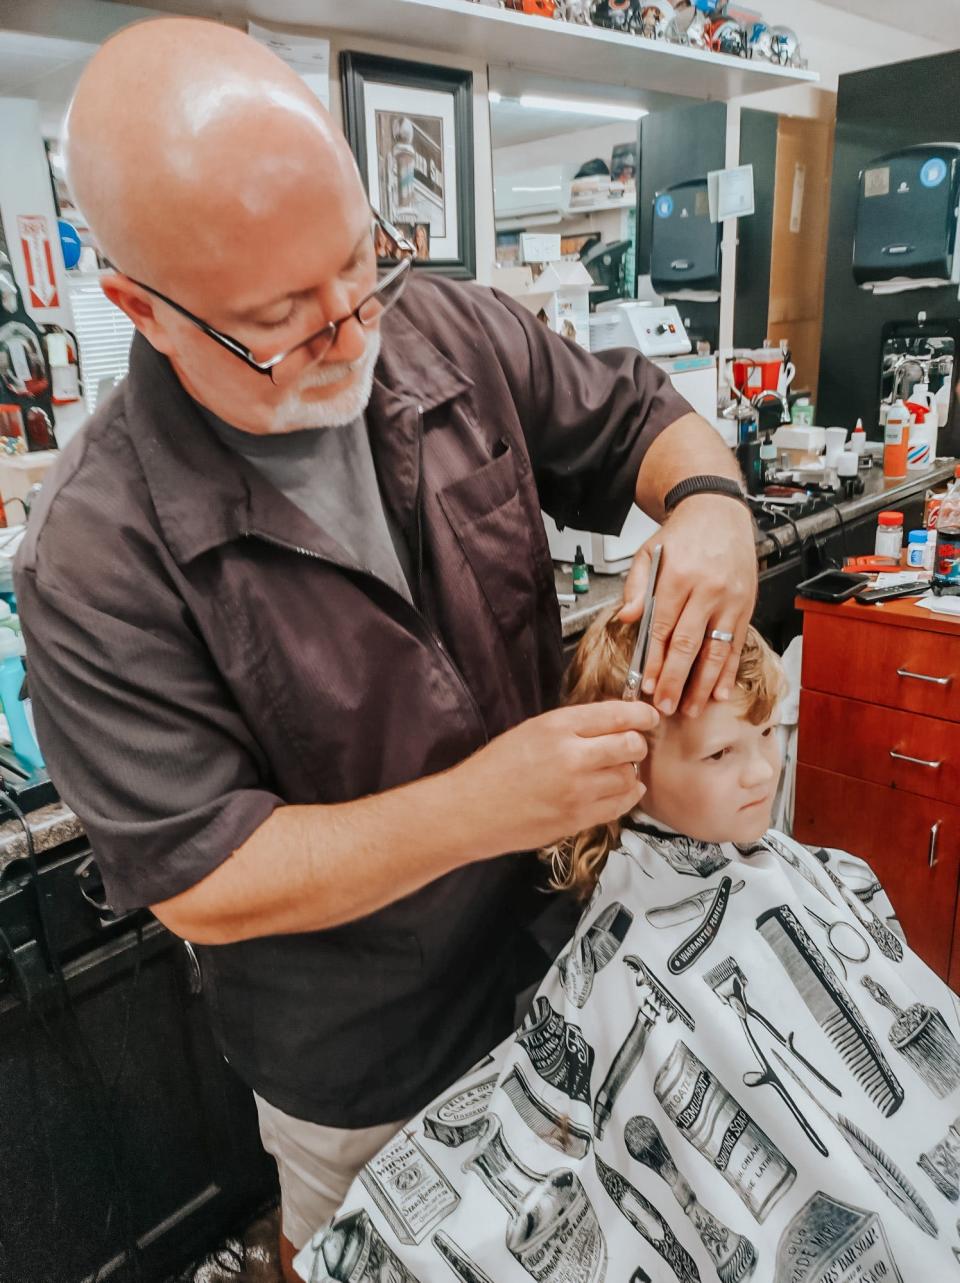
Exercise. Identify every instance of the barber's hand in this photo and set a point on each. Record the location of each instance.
(707, 581)
(559, 773)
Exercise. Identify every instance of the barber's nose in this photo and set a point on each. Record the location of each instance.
(350, 343)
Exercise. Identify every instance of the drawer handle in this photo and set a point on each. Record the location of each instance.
(934, 834)
(917, 761)
(923, 677)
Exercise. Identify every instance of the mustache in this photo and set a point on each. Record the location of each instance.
(333, 372)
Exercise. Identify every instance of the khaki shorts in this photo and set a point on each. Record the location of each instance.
(316, 1165)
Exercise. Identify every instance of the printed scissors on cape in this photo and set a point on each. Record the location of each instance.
(631, 689)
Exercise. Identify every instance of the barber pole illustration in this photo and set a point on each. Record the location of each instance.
(553, 1230)
(37, 249)
(411, 1192)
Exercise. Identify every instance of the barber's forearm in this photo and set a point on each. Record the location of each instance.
(308, 868)
(688, 447)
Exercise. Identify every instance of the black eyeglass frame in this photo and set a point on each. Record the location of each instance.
(400, 243)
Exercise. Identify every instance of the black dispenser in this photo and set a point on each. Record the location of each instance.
(685, 245)
(907, 216)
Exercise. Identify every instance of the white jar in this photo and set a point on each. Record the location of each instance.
(889, 535)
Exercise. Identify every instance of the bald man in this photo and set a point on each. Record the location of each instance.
(293, 636)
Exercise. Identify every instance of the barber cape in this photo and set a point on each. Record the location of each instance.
(737, 1069)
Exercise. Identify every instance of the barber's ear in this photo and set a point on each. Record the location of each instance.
(138, 306)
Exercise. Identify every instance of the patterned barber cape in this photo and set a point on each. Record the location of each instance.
(736, 1070)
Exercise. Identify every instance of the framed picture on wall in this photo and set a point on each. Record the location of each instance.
(410, 126)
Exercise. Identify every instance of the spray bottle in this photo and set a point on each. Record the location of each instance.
(11, 684)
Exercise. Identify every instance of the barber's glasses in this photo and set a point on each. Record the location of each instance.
(288, 364)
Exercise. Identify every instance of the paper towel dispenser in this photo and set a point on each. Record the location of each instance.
(685, 245)
(906, 232)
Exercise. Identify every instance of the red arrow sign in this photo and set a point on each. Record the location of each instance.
(38, 258)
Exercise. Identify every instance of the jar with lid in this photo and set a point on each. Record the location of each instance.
(889, 535)
(916, 549)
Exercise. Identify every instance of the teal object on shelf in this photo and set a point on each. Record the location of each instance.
(11, 683)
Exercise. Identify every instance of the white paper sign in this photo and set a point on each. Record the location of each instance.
(306, 55)
(539, 247)
(796, 203)
(730, 193)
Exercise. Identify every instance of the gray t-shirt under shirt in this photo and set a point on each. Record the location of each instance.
(330, 475)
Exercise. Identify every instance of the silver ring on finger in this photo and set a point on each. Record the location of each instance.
(717, 635)
(636, 769)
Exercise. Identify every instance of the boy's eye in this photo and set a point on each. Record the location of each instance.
(767, 731)
(719, 755)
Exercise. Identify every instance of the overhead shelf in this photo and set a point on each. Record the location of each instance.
(609, 60)
(568, 214)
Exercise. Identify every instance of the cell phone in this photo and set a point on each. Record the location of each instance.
(915, 589)
(832, 585)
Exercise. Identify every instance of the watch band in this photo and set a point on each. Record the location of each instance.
(703, 485)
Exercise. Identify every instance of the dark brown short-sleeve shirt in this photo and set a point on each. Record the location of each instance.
(200, 653)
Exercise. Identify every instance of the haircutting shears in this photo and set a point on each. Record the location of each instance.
(631, 689)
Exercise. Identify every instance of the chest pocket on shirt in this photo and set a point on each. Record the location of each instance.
(491, 524)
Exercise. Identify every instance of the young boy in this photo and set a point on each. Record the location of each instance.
(737, 1068)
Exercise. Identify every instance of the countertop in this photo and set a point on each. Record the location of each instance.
(575, 617)
(50, 826)
(877, 494)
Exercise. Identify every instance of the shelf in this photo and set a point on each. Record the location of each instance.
(550, 218)
(625, 202)
(609, 61)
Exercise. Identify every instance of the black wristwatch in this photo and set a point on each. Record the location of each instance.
(703, 485)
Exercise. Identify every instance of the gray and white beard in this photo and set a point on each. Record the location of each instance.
(294, 414)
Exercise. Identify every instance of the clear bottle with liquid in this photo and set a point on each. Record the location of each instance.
(946, 565)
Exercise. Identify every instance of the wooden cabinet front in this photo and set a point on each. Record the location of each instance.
(883, 745)
(882, 663)
(911, 842)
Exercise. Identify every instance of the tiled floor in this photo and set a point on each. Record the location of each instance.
(250, 1259)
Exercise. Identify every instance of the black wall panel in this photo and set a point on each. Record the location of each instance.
(879, 111)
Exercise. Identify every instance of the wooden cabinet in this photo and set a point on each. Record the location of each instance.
(878, 758)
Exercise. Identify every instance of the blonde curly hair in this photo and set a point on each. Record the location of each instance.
(598, 671)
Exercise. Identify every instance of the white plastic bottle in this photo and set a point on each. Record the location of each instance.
(923, 430)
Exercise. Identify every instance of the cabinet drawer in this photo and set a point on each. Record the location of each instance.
(882, 664)
(898, 834)
(853, 738)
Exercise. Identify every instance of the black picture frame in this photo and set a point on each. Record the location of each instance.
(358, 68)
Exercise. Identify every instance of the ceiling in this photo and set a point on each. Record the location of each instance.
(937, 20)
(43, 68)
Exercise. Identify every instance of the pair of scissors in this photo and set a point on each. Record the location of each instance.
(631, 689)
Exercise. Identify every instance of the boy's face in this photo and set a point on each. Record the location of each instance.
(713, 777)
